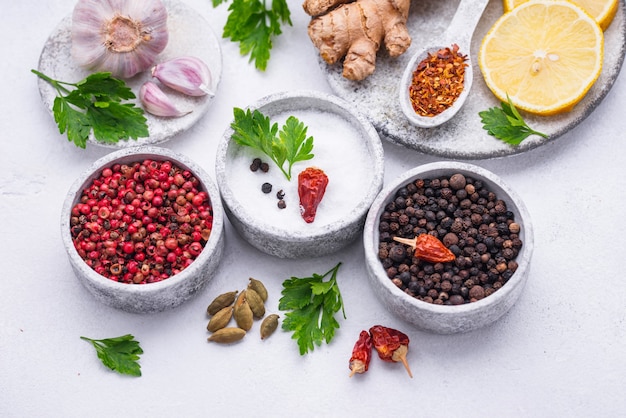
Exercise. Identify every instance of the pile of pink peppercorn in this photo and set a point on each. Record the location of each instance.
(141, 222)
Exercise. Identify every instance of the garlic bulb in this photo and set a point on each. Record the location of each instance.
(156, 102)
(122, 37)
(188, 75)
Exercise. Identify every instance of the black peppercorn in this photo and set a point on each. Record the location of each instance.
(256, 163)
(397, 253)
(405, 277)
(457, 181)
(456, 300)
(266, 188)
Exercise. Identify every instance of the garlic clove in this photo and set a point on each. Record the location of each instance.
(188, 75)
(120, 37)
(156, 102)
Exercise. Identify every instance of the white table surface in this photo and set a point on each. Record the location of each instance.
(559, 352)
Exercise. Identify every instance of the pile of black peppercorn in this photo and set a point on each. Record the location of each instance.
(469, 219)
(266, 188)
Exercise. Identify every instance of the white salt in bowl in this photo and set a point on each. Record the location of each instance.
(156, 296)
(346, 147)
(447, 319)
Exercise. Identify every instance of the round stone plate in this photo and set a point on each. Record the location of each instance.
(463, 137)
(189, 34)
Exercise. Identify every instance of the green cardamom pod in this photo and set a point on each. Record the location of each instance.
(269, 325)
(221, 301)
(258, 287)
(242, 312)
(256, 303)
(227, 335)
(220, 319)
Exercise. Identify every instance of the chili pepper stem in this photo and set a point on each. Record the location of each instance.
(407, 241)
(400, 355)
(357, 366)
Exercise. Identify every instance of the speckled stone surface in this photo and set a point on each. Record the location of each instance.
(185, 28)
(438, 318)
(152, 297)
(328, 238)
(463, 136)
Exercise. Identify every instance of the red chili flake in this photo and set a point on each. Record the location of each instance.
(438, 80)
(312, 184)
(361, 354)
(391, 345)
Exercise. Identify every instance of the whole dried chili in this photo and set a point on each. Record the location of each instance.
(361, 354)
(312, 184)
(438, 80)
(391, 345)
(428, 248)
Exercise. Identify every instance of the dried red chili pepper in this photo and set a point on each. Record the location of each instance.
(428, 248)
(312, 184)
(391, 345)
(361, 354)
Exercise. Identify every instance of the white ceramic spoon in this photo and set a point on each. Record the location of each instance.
(459, 32)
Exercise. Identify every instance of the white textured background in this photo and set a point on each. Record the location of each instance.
(559, 352)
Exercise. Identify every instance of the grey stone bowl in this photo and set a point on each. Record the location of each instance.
(443, 319)
(319, 240)
(150, 297)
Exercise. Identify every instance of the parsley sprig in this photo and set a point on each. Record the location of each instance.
(253, 25)
(95, 103)
(119, 354)
(289, 145)
(312, 304)
(507, 124)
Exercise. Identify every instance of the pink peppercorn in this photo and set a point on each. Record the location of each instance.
(128, 247)
(141, 222)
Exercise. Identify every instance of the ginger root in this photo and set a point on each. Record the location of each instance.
(355, 30)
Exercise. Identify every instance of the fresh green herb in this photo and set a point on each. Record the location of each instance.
(96, 104)
(119, 354)
(253, 129)
(507, 124)
(253, 25)
(312, 303)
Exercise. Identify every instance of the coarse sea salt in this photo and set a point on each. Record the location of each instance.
(338, 149)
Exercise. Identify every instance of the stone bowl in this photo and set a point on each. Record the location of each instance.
(443, 318)
(156, 296)
(346, 147)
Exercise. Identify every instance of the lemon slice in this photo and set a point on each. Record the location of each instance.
(545, 54)
(603, 11)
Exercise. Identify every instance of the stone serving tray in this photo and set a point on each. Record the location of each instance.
(185, 27)
(463, 137)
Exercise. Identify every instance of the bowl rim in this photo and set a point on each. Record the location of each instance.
(370, 239)
(139, 153)
(339, 107)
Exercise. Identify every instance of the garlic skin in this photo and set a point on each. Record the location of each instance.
(122, 37)
(188, 75)
(156, 102)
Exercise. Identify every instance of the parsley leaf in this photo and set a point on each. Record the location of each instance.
(253, 25)
(119, 354)
(312, 304)
(507, 124)
(290, 144)
(95, 104)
